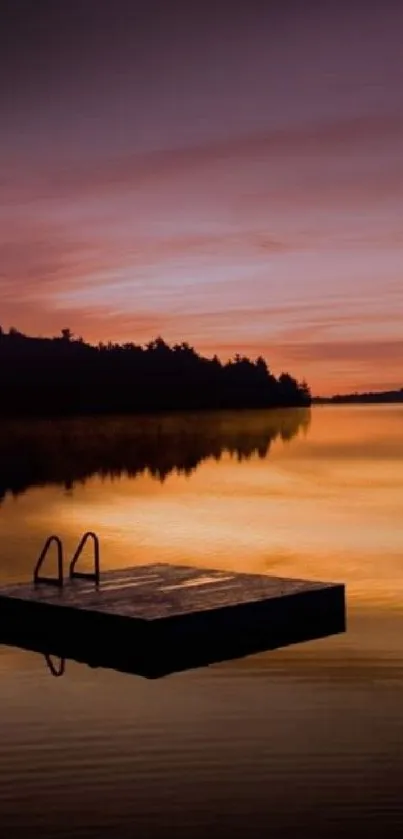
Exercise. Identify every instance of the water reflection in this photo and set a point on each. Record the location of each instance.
(167, 659)
(324, 506)
(308, 738)
(67, 452)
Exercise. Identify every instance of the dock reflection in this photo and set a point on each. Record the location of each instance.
(155, 663)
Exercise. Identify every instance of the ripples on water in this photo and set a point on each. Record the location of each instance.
(306, 741)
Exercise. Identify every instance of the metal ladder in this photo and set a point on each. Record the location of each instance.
(73, 574)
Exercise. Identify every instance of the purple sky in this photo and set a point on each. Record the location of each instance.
(228, 174)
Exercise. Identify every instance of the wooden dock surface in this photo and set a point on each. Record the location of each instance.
(163, 616)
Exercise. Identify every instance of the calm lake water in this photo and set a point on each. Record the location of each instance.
(304, 741)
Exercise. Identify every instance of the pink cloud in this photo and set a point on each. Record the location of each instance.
(283, 243)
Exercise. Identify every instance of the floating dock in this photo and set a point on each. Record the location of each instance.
(157, 619)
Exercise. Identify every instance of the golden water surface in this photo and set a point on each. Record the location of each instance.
(304, 739)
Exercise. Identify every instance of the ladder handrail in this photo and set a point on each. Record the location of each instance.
(55, 670)
(86, 574)
(56, 581)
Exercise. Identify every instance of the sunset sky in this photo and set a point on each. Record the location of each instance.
(230, 174)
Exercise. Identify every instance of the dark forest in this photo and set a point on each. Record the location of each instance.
(64, 376)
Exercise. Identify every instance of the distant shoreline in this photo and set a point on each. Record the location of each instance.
(386, 397)
(150, 416)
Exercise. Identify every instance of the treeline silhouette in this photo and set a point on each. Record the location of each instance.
(65, 376)
(370, 398)
(70, 451)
